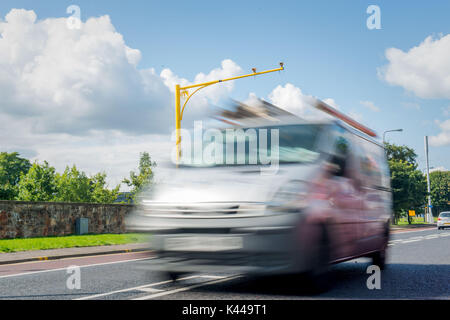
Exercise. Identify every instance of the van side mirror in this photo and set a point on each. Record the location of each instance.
(332, 168)
(337, 165)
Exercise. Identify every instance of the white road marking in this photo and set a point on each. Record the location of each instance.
(165, 293)
(65, 268)
(417, 238)
(212, 277)
(413, 240)
(130, 289)
(149, 290)
(146, 287)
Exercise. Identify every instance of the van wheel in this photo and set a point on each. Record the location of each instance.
(175, 275)
(319, 279)
(379, 259)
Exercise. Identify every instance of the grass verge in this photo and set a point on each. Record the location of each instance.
(15, 245)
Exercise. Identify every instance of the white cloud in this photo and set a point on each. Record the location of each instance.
(438, 169)
(73, 96)
(423, 70)
(442, 138)
(370, 105)
(79, 80)
(332, 103)
(200, 102)
(69, 80)
(292, 99)
(446, 111)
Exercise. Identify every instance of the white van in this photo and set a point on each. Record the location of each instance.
(329, 201)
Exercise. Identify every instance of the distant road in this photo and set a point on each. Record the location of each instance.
(418, 268)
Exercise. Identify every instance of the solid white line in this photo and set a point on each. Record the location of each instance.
(149, 290)
(408, 241)
(65, 268)
(165, 293)
(130, 289)
(212, 277)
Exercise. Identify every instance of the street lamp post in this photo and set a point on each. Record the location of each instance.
(430, 210)
(394, 130)
(384, 145)
(184, 91)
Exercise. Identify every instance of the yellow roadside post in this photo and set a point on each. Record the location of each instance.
(184, 90)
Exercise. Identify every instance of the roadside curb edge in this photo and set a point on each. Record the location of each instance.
(75, 255)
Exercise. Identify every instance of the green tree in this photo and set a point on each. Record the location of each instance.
(141, 180)
(99, 190)
(38, 184)
(409, 187)
(404, 153)
(73, 186)
(11, 167)
(440, 190)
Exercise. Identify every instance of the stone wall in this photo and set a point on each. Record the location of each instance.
(20, 219)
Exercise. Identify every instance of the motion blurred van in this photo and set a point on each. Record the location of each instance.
(328, 201)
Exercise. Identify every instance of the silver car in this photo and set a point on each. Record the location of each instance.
(443, 220)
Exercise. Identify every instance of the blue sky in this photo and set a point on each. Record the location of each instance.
(326, 46)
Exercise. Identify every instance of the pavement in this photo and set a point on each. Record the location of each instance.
(52, 254)
(418, 267)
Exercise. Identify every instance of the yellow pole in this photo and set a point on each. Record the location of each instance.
(178, 111)
(177, 120)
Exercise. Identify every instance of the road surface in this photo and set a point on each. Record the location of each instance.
(418, 268)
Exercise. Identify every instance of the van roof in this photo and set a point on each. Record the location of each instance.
(293, 120)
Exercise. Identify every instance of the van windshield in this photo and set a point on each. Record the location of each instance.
(445, 215)
(256, 146)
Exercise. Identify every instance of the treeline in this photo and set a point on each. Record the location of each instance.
(22, 180)
(409, 184)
